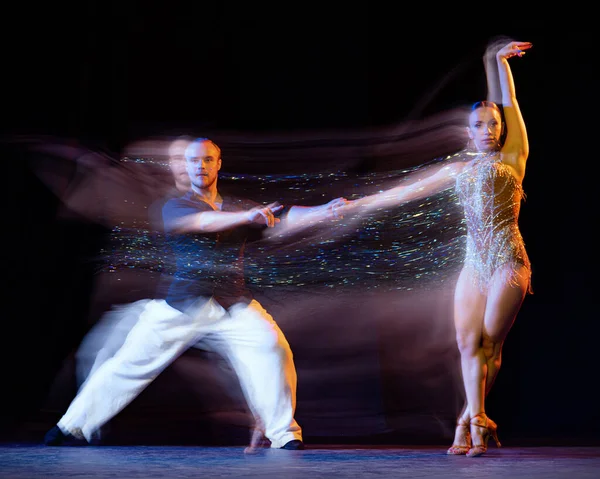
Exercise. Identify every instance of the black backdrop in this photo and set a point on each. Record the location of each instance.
(109, 74)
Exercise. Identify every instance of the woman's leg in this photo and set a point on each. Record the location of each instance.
(505, 298)
(496, 328)
(506, 293)
(469, 308)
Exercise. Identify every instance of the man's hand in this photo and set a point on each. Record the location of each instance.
(264, 215)
(334, 209)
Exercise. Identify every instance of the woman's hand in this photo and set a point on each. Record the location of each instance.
(513, 49)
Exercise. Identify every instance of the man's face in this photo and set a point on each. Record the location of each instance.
(177, 164)
(179, 170)
(203, 164)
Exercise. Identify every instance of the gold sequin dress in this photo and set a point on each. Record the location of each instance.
(491, 198)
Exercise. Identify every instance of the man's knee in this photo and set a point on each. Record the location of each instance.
(272, 339)
(268, 336)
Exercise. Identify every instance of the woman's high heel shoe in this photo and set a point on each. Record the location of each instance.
(488, 428)
(462, 428)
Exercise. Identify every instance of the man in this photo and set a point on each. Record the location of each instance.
(108, 334)
(207, 300)
(176, 161)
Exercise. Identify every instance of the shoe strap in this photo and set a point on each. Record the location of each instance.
(475, 420)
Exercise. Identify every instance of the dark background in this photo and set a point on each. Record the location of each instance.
(107, 74)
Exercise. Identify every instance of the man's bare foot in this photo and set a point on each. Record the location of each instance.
(256, 442)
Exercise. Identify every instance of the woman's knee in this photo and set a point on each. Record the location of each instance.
(468, 342)
(491, 347)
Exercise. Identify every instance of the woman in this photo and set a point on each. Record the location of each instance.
(496, 274)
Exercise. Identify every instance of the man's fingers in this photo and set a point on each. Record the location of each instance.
(275, 207)
(339, 201)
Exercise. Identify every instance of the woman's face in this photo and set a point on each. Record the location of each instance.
(485, 128)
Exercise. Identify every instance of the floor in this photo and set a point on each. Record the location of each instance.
(31, 461)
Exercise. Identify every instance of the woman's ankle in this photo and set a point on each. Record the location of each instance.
(479, 419)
